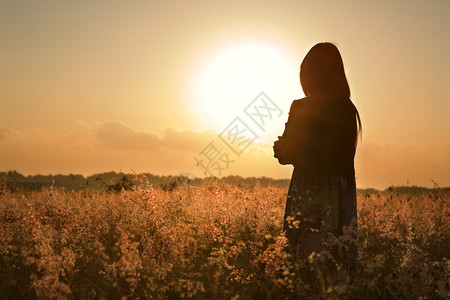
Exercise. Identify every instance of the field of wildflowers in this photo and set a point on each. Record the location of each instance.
(213, 241)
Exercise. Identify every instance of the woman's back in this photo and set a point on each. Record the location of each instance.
(322, 133)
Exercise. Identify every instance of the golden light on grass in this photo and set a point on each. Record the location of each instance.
(211, 241)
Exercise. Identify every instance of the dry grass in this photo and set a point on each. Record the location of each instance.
(215, 241)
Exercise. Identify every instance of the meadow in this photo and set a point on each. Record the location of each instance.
(212, 241)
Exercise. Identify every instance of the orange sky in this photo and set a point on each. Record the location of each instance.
(93, 86)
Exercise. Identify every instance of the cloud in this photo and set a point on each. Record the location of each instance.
(111, 145)
(119, 136)
(188, 140)
(5, 133)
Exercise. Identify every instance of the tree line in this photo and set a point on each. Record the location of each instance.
(116, 181)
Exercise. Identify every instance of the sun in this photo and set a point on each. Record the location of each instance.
(234, 76)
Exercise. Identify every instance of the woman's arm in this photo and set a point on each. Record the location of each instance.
(288, 147)
(283, 151)
(284, 147)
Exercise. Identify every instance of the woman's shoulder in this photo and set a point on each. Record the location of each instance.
(299, 103)
(300, 106)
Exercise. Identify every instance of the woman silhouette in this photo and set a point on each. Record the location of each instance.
(320, 140)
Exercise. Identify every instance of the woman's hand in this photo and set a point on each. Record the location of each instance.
(282, 149)
(279, 147)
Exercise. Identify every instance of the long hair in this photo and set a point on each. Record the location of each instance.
(322, 73)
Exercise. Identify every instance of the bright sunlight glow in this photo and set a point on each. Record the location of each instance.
(235, 76)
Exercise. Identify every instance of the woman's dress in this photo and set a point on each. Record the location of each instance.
(322, 192)
(318, 204)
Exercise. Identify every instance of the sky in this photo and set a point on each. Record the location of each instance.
(156, 86)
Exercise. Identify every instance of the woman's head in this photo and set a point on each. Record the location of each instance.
(322, 72)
